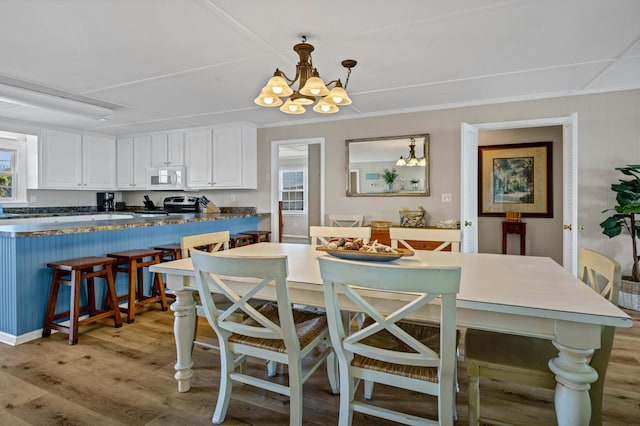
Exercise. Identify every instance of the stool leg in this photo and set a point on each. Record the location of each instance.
(112, 297)
(51, 304)
(91, 295)
(139, 282)
(74, 307)
(158, 289)
(131, 309)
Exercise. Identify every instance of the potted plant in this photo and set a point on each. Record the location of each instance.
(627, 216)
(414, 183)
(389, 177)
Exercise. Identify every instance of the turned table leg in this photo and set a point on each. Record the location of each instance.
(183, 330)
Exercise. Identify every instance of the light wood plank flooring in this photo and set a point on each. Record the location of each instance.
(125, 377)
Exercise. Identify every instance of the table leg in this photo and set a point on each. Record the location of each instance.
(573, 374)
(183, 331)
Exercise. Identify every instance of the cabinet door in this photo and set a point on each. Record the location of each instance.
(141, 161)
(60, 160)
(175, 149)
(159, 146)
(124, 163)
(198, 158)
(98, 162)
(132, 162)
(227, 157)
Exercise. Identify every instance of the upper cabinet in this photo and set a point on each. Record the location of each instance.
(198, 158)
(223, 157)
(60, 160)
(98, 162)
(167, 149)
(235, 157)
(133, 161)
(71, 160)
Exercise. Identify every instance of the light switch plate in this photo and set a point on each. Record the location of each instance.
(446, 198)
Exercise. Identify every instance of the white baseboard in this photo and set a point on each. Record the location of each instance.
(12, 340)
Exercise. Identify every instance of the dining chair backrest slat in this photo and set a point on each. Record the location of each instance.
(346, 220)
(323, 234)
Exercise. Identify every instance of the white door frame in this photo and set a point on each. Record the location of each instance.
(569, 173)
(275, 192)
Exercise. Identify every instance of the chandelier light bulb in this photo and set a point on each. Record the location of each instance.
(277, 89)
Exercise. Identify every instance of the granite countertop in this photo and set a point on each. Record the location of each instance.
(69, 226)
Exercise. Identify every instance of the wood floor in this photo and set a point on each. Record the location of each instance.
(125, 377)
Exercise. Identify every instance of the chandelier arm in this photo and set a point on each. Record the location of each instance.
(283, 75)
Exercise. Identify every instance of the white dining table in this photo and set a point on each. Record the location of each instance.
(523, 295)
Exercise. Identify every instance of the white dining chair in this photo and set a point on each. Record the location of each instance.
(447, 237)
(273, 332)
(524, 360)
(346, 220)
(387, 349)
(323, 234)
(213, 241)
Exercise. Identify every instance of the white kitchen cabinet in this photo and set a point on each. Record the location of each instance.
(198, 158)
(60, 160)
(98, 162)
(70, 160)
(235, 157)
(167, 149)
(224, 157)
(133, 160)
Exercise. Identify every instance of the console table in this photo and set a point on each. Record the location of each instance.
(509, 227)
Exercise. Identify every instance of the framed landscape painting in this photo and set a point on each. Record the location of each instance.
(515, 177)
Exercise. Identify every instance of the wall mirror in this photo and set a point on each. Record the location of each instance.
(370, 166)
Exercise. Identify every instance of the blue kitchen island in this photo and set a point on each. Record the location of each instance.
(27, 248)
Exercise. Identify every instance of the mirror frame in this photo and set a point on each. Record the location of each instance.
(425, 192)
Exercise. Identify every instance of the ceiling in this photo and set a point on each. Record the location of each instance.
(165, 64)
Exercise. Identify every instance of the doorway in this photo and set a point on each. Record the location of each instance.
(297, 174)
(469, 178)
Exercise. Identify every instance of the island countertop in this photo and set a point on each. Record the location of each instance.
(53, 225)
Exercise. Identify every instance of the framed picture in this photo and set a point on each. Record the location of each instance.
(515, 177)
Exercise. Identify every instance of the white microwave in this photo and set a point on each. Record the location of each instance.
(167, 177)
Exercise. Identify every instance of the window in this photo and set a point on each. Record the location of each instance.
(7, 174)
(16, 150)
(293, 189)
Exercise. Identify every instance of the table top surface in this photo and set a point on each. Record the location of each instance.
(520, 285)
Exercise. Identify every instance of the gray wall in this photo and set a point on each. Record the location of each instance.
(608, 137)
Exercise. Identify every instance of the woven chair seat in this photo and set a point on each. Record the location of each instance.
(308, 326)
(425, 334)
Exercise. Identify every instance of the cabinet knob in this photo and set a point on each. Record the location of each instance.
(467, 223)
(566, 227)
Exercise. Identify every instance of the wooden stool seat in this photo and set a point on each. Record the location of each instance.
(258, 236)
(132, 262)
(239, 240)
(170, 252)
(71, 272)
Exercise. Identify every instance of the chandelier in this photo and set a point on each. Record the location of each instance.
(311, 87)
(411, 160)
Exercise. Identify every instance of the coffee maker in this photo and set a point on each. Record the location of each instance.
(105, 201)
